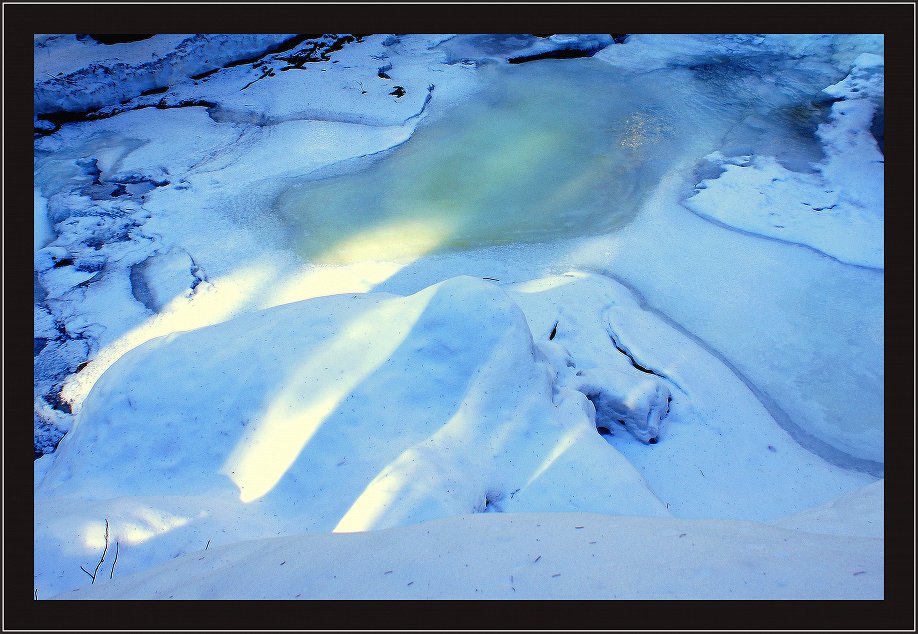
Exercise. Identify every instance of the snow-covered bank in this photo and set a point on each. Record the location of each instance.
(43, 232)
(524, 556)
(118, 72)
(368, 411)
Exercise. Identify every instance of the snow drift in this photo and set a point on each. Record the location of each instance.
(343, 413)
(370, 411)
(526, 556)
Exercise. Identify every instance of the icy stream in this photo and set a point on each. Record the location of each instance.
(550, 149)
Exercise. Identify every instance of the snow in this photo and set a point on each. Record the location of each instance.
(43, 232)
(122, 71)
(413, 408)
(716, 444)
(857, 513)
(522, 556)
(368, 411)
(181, 329)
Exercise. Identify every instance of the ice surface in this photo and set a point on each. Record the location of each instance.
(225, 169)
(842, 198)
(533, 159)
(547, 150)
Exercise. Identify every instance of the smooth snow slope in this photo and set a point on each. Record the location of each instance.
(523, 556)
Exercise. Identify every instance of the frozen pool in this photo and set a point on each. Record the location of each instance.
(547, 150)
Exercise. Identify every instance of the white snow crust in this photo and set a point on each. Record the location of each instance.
(524, 556)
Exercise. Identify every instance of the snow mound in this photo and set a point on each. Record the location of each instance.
(342, 413)
(717, 442)
(523, 556)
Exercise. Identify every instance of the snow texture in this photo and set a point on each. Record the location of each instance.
(122, 71)
(369, 411)
(523, 556)
(233, 412)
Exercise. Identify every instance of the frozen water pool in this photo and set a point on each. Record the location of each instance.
(546, 150)
(558, 149)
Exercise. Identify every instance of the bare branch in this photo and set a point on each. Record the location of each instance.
(112, 574)
(92, 575)
(104, 550)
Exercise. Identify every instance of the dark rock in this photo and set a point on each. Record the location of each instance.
(563, 53)
(153, 91)
(206, 73)
(118, 38)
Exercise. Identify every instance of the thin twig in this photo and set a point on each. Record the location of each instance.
(208, 544)
(112, 575)
(92, 575)
(104, 550)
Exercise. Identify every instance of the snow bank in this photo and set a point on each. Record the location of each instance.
(523, 556)
(66, 64)
(368, 411)
(839, 209)
(376, 81)
(857, 513)
(343, 413)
